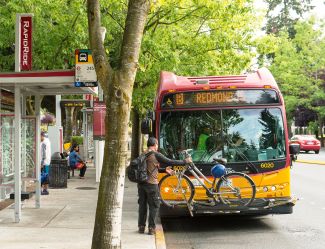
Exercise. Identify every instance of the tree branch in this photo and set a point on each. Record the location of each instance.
(153, 16)
(103, 68)
(205, 18)
(154, 23)
(66, 38)
(183, 17)
(151, 23)
(111, 15)
(132, 37)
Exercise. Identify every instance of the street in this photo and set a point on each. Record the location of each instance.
(305, 228)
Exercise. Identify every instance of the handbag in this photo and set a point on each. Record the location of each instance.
(79, 165)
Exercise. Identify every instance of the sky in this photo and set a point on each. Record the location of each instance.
(318, 11)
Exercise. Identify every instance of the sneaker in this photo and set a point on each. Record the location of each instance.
(141, 229)
(81, 177)
(152, 231)
(45, 192)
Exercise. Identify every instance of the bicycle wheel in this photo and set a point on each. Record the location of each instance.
(174, 191)
(236, 189)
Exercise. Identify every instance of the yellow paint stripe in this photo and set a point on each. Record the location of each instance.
(160, 236)
(310, 162)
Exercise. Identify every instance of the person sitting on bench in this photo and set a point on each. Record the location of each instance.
(76, 162)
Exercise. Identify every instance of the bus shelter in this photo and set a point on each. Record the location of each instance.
(26, 163)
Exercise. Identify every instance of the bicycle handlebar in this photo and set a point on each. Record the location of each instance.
(220, 160)
(217, 160)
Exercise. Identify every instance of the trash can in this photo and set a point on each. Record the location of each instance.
(58, 175)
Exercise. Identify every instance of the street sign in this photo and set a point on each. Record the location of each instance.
(99, 120)
(23, 48)
(85, 74)
(26, 42)
(85, 84)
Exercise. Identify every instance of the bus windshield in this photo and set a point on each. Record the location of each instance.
(234, 134)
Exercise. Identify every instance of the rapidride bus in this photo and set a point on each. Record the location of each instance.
(239, 118)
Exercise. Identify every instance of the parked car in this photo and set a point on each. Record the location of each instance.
(306, 142)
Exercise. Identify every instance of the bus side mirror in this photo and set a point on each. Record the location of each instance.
(294, 149)
(146, 126)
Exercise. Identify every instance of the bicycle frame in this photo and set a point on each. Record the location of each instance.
(197, 174)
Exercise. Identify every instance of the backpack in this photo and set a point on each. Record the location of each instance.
(137, 170)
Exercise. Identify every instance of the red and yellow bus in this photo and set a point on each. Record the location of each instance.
(239, 118)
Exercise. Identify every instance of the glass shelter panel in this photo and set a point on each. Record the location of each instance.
(7, 146)
(29, 147)
(235, 134)
(90, 138)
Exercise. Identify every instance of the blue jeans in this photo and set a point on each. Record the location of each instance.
(45, 174)
(46, 168)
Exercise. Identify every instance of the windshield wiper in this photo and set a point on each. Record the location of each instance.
(249, 163)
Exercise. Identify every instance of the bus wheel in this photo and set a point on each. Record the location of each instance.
(174, 191)
(316, 151)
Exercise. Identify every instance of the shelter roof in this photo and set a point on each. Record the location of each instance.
(58, 82)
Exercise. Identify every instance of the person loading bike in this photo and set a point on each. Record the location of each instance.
(148, 192)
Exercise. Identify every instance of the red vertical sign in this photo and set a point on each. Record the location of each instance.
(26, 43)
(99, 120)
(88, 97)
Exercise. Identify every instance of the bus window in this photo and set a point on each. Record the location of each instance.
(235, 134)
(189, 130)
(254, 134)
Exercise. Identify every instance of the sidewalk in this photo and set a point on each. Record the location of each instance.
(66, 219)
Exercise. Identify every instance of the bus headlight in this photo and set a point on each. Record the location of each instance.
(265, 189)
(273, 188)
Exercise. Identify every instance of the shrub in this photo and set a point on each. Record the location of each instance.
(77, 140)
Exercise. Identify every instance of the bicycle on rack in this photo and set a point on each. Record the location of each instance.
(228, 187)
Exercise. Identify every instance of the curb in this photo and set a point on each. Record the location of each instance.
(310, 162)
(160, 237)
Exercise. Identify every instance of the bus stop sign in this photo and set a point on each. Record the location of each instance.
(85, 74)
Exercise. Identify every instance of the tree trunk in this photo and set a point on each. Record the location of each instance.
(68, 123)
(289, 124)
(75, 127)
(30, 105)
(136, 134)
(320, 120)
(74, 121)
(142, 145)
(117, 87)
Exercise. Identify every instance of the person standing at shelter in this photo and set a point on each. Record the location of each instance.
(148, 192)
(45, 162)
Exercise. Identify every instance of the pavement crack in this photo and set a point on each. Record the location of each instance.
(56, 215)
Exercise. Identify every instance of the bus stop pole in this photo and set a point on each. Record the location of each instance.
(17, 153)
(24, 129)
(17, 121)
(38, 153)
(85, 134)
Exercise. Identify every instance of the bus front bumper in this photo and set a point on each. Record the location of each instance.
(258, 207)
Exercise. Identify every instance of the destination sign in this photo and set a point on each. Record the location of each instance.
(224, 97)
